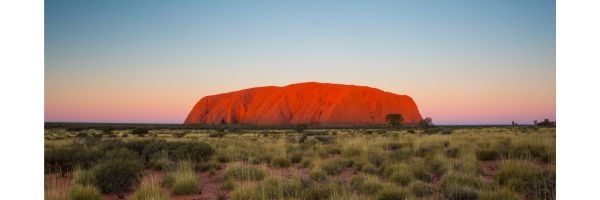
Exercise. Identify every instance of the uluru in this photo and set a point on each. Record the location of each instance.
(323, 104)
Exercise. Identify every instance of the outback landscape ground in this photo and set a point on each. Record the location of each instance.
(488, 162)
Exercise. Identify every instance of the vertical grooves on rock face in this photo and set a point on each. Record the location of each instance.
(307, 103)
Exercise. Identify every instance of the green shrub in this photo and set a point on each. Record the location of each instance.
(366, 184)
(149, 191)
(303, 138)
(122, 154)
(139, 131)
(280, 162)
(217, 134)
(65, 159)
(118, 176)
(296, 158)
(421, 189)
(178, 134)
(193, 151)
(162, 162)
(300, 127)
(243, 173)
(208, 165)
(84, 192)
(393, 194)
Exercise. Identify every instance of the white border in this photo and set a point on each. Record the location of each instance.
(578, 138)
(22, 99)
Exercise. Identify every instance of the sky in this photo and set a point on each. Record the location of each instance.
(462, 61)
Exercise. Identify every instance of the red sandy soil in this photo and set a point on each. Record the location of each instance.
(304, 103)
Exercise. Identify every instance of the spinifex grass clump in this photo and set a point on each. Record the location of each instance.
(393, 193)
(459, 186)
(182, 180)
(421, 189)
(334, 167)
(280, 162)
(84, 177)
(84, 192)
(527, 178)
(399, 173)
(366, 184)
(149, 190)
(243, 173)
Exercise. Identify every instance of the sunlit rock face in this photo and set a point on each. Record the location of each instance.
(311, 103)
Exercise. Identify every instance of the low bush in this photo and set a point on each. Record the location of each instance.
(243, 173)
(117, 176)
(65, 159)
(296, 158)
(192, 151)
(84, 192)
(139, 131)
(208, 165)
(280, 162)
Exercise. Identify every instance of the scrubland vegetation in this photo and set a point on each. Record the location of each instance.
(409, 163)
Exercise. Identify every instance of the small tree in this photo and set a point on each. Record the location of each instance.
(394, 119)
(300, 127)
(426, 123)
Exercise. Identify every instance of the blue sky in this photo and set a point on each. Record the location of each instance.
(464, 62)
